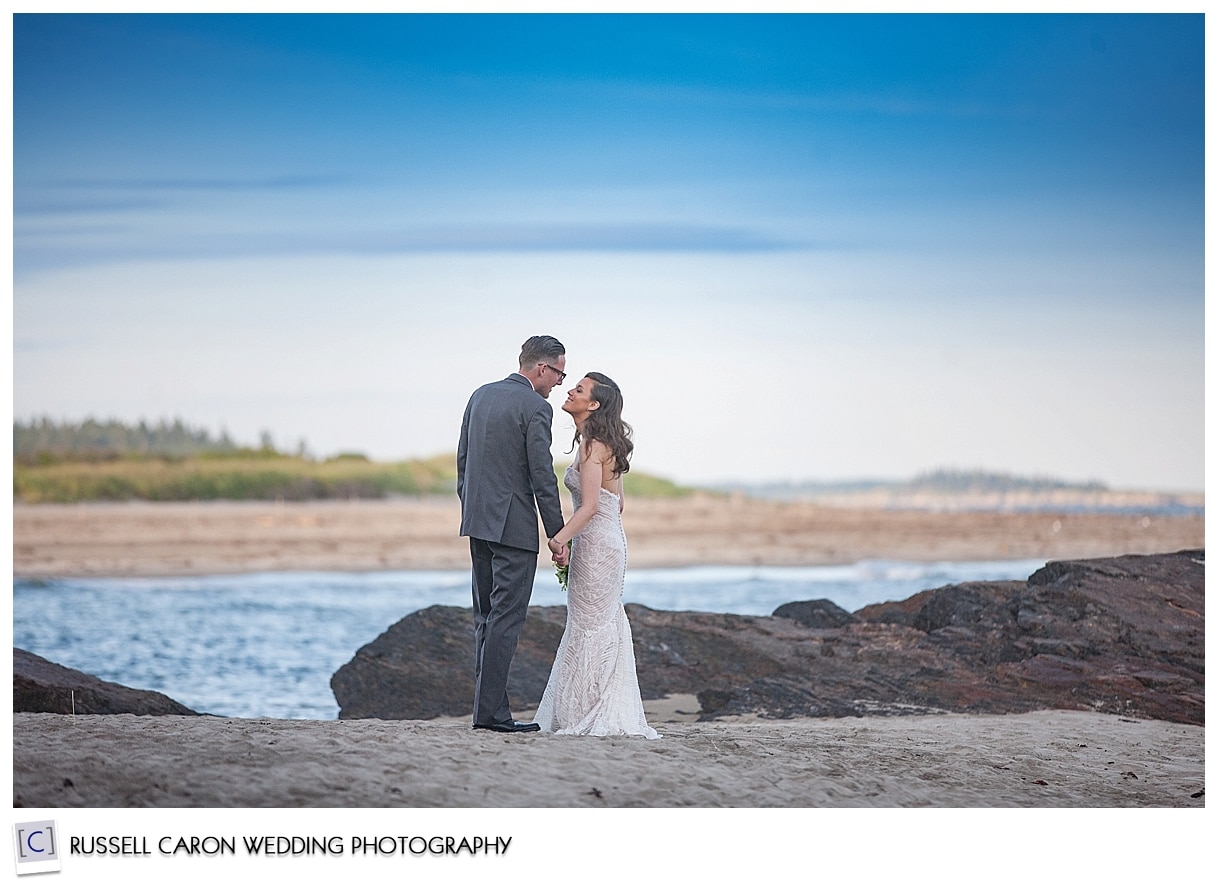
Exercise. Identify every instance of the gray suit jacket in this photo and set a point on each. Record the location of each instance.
(505, 472)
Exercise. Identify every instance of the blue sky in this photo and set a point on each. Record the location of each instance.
(807, 246)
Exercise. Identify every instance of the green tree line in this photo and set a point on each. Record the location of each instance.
(978, 481)
(45, 440)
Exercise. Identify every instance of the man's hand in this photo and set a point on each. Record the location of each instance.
(561, 553)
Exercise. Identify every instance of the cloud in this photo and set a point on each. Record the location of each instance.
(272, 182)
(123, 195)
(500, 237)
(44, 207)
(574, 237)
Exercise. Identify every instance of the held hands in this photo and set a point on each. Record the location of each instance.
(560, 551)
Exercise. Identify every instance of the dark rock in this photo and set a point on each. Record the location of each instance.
(423, 666)
(43, 687)
(815, 613)
(1123, 635)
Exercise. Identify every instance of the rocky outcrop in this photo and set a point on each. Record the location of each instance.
(1121, 635)
(422, 666)
(43, 687)
(815, 613)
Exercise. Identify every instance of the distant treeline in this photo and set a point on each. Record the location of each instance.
(977, 481)
(45, 440)
(944, 482)
(110, 461)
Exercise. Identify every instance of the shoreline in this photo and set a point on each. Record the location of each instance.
(224, 537)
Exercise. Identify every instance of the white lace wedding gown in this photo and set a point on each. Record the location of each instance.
(593, 687)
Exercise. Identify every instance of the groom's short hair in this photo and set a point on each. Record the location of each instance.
(538, 349)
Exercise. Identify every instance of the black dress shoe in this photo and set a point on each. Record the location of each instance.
(511, 726)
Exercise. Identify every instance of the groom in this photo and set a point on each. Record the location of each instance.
(505, 476)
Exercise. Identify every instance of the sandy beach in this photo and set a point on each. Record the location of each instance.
(1042, 759)
(112, 539)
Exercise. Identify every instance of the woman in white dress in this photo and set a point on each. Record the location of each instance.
(593, 688)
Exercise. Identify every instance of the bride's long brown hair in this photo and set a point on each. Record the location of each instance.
(605, 424)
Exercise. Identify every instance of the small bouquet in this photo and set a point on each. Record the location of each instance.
(562, 571)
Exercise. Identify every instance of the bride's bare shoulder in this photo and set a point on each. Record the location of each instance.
(594, 450)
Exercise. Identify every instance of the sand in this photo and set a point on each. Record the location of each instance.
(224, 537)
(1041, 759)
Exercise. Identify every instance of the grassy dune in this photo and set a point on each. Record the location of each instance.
(253, 475)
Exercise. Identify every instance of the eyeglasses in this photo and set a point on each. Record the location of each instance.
(562, 375)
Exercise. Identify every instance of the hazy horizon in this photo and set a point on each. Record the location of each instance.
(809, 247)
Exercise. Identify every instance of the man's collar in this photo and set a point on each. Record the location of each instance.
(521, 378)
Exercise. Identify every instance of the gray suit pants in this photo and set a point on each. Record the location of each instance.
(502, 586)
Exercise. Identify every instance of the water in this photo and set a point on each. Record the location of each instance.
(266, 645)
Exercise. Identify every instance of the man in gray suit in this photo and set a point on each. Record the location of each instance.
(505, 476)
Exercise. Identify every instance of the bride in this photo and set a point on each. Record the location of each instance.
(593, 688)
